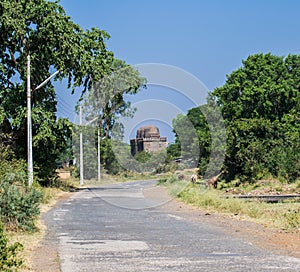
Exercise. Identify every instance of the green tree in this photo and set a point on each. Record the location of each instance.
(173, 150)
(105, 100)
(202, 135)
(266, 86)
(260, 103)
(42, 30)
(104, 104)
(199, 122)
(186, 141)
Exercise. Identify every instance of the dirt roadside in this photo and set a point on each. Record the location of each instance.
(275, 240)
(44, 256)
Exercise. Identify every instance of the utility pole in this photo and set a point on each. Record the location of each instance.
(98, 146)
(99, 161)
(29, 120)
(29, 127)
(81, 146)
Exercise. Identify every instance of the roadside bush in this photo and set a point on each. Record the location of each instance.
(13, 171)
(9, 260)
(292, 218)
(19, 205)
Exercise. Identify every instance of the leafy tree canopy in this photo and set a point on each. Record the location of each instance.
(42, 30)
(105, 100)
(260, 103)
(266, 86)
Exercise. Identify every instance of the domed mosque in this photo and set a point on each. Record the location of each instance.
(147, 139)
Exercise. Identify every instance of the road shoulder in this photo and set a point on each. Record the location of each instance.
(44, 256)
(275, 240)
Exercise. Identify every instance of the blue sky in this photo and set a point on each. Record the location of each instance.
(208, 39)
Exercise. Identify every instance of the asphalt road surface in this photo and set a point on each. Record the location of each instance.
(132, 227)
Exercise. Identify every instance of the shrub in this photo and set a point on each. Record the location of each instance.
(9, 260)
(19, 205)
(13, 171)
(292, 218)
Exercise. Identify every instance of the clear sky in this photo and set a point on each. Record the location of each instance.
(208, 39)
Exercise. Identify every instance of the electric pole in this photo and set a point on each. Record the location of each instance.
(81, 146)
(29, 127)
(99, 166)
(29, 120)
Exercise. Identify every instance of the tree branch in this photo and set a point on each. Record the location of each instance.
(13, 58)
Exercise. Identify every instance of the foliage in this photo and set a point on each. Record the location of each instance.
(105, 100)
(143, 156)
(186, 143)
(108, 157)
(200, 135)
(150, 162)
(103, 105)
(51, 140)
(173, 149)
(42, 30)
(259, 146)
(19, 205)
(9, 261)
(89, 150)
(265, 87)
(13, 171)
(116, 157)
(260, 103)
(90, 153)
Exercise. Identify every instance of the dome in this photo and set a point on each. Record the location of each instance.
(148, 132)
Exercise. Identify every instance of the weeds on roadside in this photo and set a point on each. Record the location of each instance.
(9, 260)
(278, 215)
(292, 218)
(19, 204)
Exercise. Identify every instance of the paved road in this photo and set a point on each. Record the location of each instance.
(125, 227)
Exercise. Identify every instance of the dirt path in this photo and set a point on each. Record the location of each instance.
(44, 257)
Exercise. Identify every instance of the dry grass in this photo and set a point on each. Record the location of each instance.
(29, 241)
(284, 215)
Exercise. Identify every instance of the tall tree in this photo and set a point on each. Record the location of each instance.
(42, 29)
(260, 103)
(104, 104)
(201, 138)
(105, 100)
(266, 86)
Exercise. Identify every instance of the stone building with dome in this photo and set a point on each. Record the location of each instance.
(147, 139)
